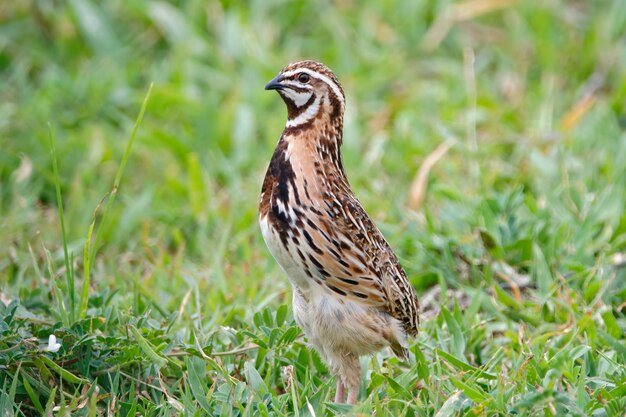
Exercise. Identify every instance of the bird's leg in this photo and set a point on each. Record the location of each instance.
(353, 394)
(340, 394)
(350, 371)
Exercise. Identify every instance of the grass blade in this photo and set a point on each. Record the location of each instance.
(84, 296)
(196, 372)
(63, 373)
(120, 172)
(458, 340)
(58, 292)
(478, 373)
(147, 348)
(57, 183)
(31, 394)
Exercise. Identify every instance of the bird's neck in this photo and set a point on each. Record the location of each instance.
(317, 143)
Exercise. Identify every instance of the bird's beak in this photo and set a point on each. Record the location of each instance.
(275, 83)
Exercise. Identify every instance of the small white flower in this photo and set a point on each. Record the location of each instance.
(53, 346)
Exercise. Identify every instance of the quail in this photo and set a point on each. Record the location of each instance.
(351, 297)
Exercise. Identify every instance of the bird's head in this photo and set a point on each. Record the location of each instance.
(309, 89)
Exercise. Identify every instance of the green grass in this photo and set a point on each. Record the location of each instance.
(175, 306)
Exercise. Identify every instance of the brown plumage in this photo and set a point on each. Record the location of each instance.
(351, 296)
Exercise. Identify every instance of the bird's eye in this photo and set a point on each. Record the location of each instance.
(303, 78)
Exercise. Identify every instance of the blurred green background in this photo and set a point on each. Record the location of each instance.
(195, 171)
(531, 96)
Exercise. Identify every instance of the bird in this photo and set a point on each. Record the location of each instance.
(350, 296)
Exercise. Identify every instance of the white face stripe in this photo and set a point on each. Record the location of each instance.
(299, 99)
(308, 114)
(320, 77)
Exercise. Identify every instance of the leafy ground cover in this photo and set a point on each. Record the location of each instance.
(486, 137)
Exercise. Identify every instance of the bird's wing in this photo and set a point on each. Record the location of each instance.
(351, 257)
